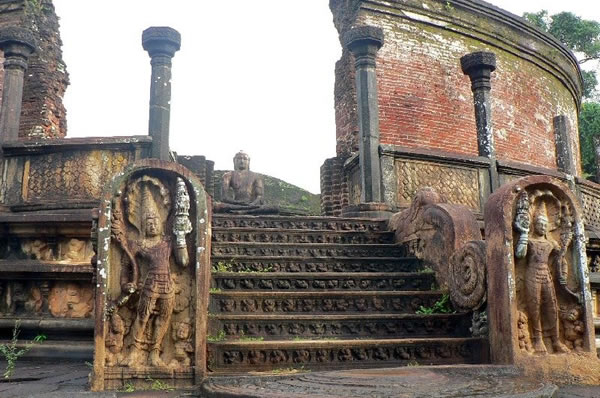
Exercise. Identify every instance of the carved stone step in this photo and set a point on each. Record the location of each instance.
(264, 281)
(325, 302)
(271, 327)
(44, 270)
(80, 350)
(55, 329)
(299, 236)
(299, 222)
(268, 355)
(323, 264)
(306, 250)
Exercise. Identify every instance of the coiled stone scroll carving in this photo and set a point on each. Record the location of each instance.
(448, 239)
(466, 277)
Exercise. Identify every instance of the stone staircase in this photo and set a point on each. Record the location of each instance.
(322, 293)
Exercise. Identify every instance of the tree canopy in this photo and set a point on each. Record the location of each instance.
(589, 127)
(583, 38)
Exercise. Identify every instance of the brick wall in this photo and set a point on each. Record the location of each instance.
(425, 100)
(43, 114)
(202, 168)
(334, 187)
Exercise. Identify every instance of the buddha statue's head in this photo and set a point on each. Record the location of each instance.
(241, 161)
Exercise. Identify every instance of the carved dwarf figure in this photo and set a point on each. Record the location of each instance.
(38, 250)
(35, 300)
(542, 306)
(242, 191)
(17, 297)
(114, 339)
(573, 328)
(523, 332)
(157, 295)
(183, 346)
(75, 250)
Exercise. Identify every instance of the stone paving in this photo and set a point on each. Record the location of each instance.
(46, 379)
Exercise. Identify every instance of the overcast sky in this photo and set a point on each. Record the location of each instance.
(253, 75)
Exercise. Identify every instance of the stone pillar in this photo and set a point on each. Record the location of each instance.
(596, 141)
(161, 44)
(18, 44)
(364, 42)
(564, 152)
(479, 67)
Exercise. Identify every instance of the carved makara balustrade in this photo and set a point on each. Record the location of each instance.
(448, 239)
(152, 278)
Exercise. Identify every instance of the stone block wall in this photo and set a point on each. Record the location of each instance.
(43, 114)
(425, 100)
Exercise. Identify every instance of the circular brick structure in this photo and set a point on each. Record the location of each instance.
(425, 100)
(434, 128)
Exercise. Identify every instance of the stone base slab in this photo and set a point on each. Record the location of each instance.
(423, 382)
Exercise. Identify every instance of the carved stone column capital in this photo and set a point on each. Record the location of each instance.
(479, 66)
(364, 42)
(161, 41)
(17, 44)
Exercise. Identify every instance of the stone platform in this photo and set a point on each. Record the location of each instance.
(69, 379)
(407, 382)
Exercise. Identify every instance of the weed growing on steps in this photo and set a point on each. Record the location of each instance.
(229, 266)
(128, 387)
(223, 266)
(216, 338)
(12, 353)
(158, 385)
(442, 306)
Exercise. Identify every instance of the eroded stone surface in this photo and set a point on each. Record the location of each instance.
(439, 382)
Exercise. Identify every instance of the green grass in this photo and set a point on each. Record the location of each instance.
(11, 352)
(128, 387)
(158, 385)
(216, 338)
(442, 306)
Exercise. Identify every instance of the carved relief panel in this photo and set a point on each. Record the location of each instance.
(48, 249)
(57, 299)
(538, 292)
(152, 237)
(549, 297)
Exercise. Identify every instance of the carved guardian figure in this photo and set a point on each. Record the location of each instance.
(154, 248)
(542, 305)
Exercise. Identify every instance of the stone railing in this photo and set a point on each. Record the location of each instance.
(64, 173)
